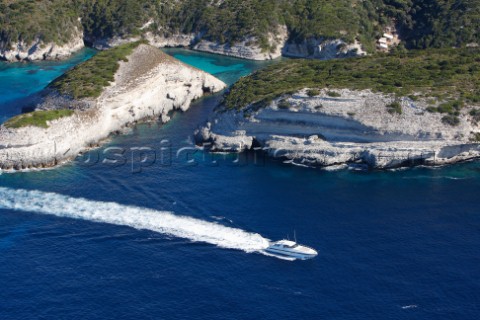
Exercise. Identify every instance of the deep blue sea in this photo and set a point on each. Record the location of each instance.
(170, 237)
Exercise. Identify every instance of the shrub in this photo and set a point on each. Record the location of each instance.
(313, 92)
(475, 137)
(450, 107)
(475, 113)
(284, 104)
(333, 94)
(451, 120)
(394, 107)
(473, 97)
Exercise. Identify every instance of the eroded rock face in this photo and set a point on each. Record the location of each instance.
(320, 48)
(38, 50)
(249, 48)
(171, 41)
(356, 127)
(150, 84)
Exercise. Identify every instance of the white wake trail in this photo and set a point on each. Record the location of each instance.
(135, 217)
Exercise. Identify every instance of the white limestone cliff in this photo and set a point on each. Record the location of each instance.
(150, 84)
(249, 48)
(38, 50)
(355, 128)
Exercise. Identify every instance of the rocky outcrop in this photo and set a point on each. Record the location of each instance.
(320, 48)
(38, 50)
(108, 43)
(249, 48)
(355, 128)
(150, 84)
(159, 41)
(172, 40)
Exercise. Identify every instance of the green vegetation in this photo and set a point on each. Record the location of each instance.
(423, 24)
(439, 23)
(333, 94)
(452, 109)
(37, 118)
(88, 79)
(395, 107)
(109, 18)
(284, 104)
(313, 92)
(475, 113)
(53, 20)
(446, 74)
(475, 137)
(451, 120)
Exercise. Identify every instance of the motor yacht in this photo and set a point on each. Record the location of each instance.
(288, 248)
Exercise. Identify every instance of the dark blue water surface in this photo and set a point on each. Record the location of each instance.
(392, 245)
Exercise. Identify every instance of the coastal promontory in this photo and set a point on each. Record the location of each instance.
(83, 107)
(380, 112)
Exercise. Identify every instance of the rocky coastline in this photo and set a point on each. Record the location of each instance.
(354, 128)
(150, 84)
(39, 50)
(249, 48)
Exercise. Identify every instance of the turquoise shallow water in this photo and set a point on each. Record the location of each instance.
(393, 245)
(19, 81)
(227, 69)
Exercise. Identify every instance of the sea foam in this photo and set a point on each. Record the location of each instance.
(139, 218)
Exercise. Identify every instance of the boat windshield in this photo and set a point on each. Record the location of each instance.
(291, 246)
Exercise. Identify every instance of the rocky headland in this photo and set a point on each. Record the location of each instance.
(355, 128)
(147, 83)
(378, 112)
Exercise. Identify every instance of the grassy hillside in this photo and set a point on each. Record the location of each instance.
(37, 118)
(87, 80)
(449, 74)
(423, 24)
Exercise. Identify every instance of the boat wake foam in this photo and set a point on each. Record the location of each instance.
(139, 218)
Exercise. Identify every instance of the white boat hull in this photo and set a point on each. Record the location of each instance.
(296, 255)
